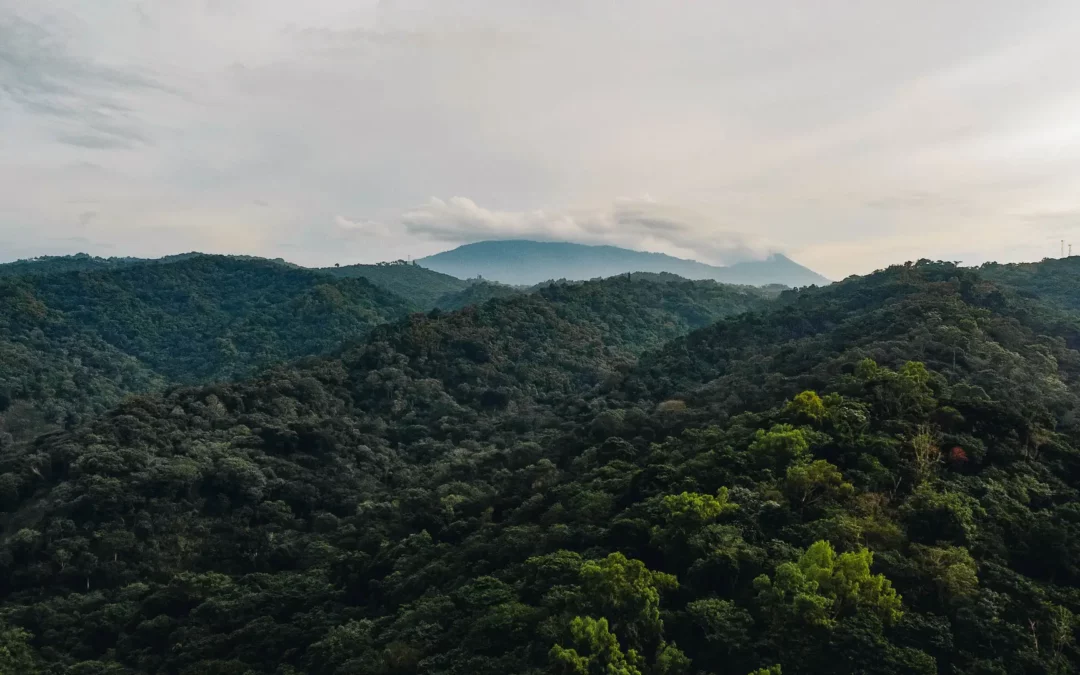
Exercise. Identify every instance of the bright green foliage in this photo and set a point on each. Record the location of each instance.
(691, 509)
(780, 445)
(817, 483)
(771, 670)
(595, 651)
(627, 592)
(822, 587)
(671, 661)
(808, 405)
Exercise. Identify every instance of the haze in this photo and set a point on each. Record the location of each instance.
(848, 135)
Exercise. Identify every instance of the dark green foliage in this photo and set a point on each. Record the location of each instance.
(72, 344)
(80, 262)
(476, 294)
(424, 288)
(879, 477)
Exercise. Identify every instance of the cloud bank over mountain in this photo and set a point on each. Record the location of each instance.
(640, 224)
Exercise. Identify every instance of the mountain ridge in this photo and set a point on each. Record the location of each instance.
(527, 262)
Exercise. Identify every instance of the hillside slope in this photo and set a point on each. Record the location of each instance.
(506, 489)
(532, 262)
(74, 343)
(420, 286)
(1054, 280)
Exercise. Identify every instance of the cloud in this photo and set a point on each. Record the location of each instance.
(812, 128)
(361, 227)
(636, 223)
(85, 103)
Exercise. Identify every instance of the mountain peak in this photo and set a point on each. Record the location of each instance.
(526, 262)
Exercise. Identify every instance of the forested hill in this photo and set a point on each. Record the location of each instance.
(74, 343)
(532, 262)
(1054, 280)
(83, 262)
(875, 477)
(423, 287)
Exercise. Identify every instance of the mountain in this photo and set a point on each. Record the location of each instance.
(423, 287)
(621, 476)
(532, 262)
(74, 343)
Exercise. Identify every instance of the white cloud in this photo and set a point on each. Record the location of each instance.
(361, 227)
(641, 223)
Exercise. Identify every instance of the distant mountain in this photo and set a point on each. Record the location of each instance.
(530, 262)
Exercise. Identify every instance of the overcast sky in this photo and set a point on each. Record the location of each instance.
(846, 134)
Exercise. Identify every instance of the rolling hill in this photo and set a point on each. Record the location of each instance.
(420, 286)
(531, 262)
(73, 343)
(879, 476)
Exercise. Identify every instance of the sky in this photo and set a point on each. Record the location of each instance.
(849, 135)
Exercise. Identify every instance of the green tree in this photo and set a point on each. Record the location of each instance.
(691, 510)
(595, 651)
(821, 587)
(16, 655)
(628, 593)
(814, 484)
(780, 445)
(951, 568)
(808, 405)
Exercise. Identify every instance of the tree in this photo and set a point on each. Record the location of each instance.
(925, 453)
(952, 569)
(808, 485)
(16, 655)
(821, 587)
(691, 510)
(628, 593)
(808, 405)
(780, 445)
(595, 651)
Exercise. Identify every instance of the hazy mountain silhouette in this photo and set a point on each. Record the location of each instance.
(530, 262)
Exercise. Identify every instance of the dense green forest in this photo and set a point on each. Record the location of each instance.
(477, 294)
(877, 476)
(73, 343)
(83, 262)
(424, 288)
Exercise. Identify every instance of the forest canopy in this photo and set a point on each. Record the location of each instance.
(629, 476)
